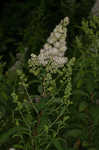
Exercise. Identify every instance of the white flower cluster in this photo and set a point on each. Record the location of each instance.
(54, 48)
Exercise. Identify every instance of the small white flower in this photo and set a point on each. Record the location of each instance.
(52, 34)
(46, 46)
(54, 51)
(33, 55)
(57, 35)
(61, 54)
(42, 51)
(62, 42)
(60, 60)
(40, 59)
(66, 20)
(47, 53)
(57, 44)
(60, 29)
(51, 40)
(63, 37)
(63, 49)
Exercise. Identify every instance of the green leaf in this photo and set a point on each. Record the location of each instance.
(2, 111)
(80, 93)
(83, 105)
(94, 110)
(85, 144)
(4, 95)
(74, 133)
(79, 83)
(57, 144)
(18, 146)
(5, 136)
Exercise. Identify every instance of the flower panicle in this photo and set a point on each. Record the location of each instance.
(54, 48)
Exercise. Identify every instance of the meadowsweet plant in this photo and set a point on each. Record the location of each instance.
(51, 56)
(45, 113)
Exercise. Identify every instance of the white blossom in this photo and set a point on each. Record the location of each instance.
(42, 51)
(33, 55)
(60, 60)
(51, 40)
(54, 51)
(63, 49)
(57, 35)
(55, 46)
(47, 46)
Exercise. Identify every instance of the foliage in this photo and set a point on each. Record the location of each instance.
(6, 105)
(85, 85)
(40, 119)
(51, 108)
